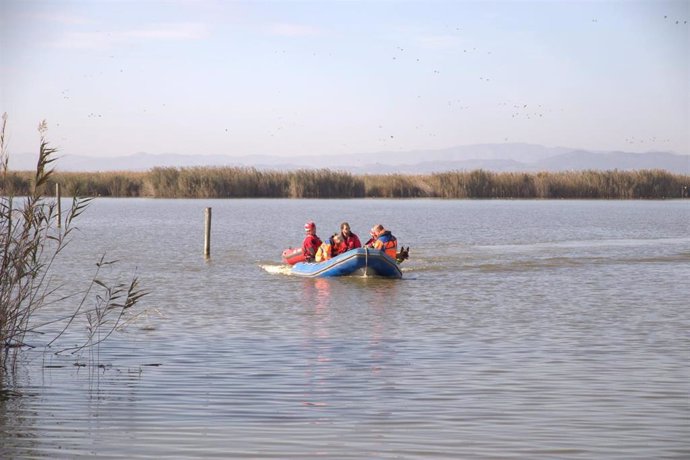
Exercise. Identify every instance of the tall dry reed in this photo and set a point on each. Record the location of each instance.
(31, 242)
(242, 182)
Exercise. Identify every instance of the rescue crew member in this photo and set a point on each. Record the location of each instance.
(311, 242)
(371, 240)
(328, 249)
(350, 240)
(385, 241)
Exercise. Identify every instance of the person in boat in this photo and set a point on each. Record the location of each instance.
(385, 241)
(311, 242)
(329, 248)
(350, 240)
(371, 240)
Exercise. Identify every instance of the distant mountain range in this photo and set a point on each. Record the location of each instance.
(492, 157)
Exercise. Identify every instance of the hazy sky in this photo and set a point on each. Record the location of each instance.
(338, 77)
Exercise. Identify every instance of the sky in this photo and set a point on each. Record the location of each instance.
(323, 77)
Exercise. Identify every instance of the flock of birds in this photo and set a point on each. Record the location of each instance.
(516, 110)
(677, 20)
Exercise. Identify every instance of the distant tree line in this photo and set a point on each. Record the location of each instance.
(240, 182)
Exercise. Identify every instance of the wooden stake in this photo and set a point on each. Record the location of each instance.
(207, 232)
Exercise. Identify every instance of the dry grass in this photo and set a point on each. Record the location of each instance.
(235, 182)
(31, 242)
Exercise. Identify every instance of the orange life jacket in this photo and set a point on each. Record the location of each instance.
(324, 252)
(387, 243)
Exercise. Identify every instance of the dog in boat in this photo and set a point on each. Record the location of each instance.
(403, 254)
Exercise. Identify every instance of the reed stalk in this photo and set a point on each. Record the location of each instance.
(31, 244)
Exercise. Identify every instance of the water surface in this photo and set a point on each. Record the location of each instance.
(521, 329)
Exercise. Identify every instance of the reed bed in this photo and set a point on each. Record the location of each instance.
(245, 182)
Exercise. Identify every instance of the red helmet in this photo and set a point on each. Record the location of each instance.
(309, 226)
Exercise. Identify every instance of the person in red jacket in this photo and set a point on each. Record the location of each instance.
(311, 242)
(350, 240)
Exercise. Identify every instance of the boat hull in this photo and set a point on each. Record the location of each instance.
(356, 262)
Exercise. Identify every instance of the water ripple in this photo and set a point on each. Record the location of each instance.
(567, 342)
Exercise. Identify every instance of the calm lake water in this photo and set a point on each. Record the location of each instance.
(521, 329)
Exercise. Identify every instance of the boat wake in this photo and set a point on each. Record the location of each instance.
(277, 269)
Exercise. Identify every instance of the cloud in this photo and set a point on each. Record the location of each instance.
(182, 31)
(439, 41)
(293, 30)
(84, 40)
(155, 32)
(68, 19)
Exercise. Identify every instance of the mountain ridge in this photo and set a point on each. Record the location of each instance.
(515, 157)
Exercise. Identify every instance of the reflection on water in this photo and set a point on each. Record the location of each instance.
(519, 329)
(317, 299)
(332, 356)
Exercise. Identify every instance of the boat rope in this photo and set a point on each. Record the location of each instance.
(366, 260)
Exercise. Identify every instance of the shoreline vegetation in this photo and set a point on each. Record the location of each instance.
(247, 182)
(32, 241)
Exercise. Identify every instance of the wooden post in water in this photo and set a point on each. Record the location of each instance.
(207, 232)
(59, 207)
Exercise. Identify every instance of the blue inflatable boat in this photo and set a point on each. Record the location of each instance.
(360, 261)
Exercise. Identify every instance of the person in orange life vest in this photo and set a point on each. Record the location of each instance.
(328, 248)
(385, 241)
(350, 240)
(311, 242)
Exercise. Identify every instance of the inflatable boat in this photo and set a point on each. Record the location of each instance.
(355, 262)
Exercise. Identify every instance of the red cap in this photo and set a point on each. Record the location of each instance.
(309, 226)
